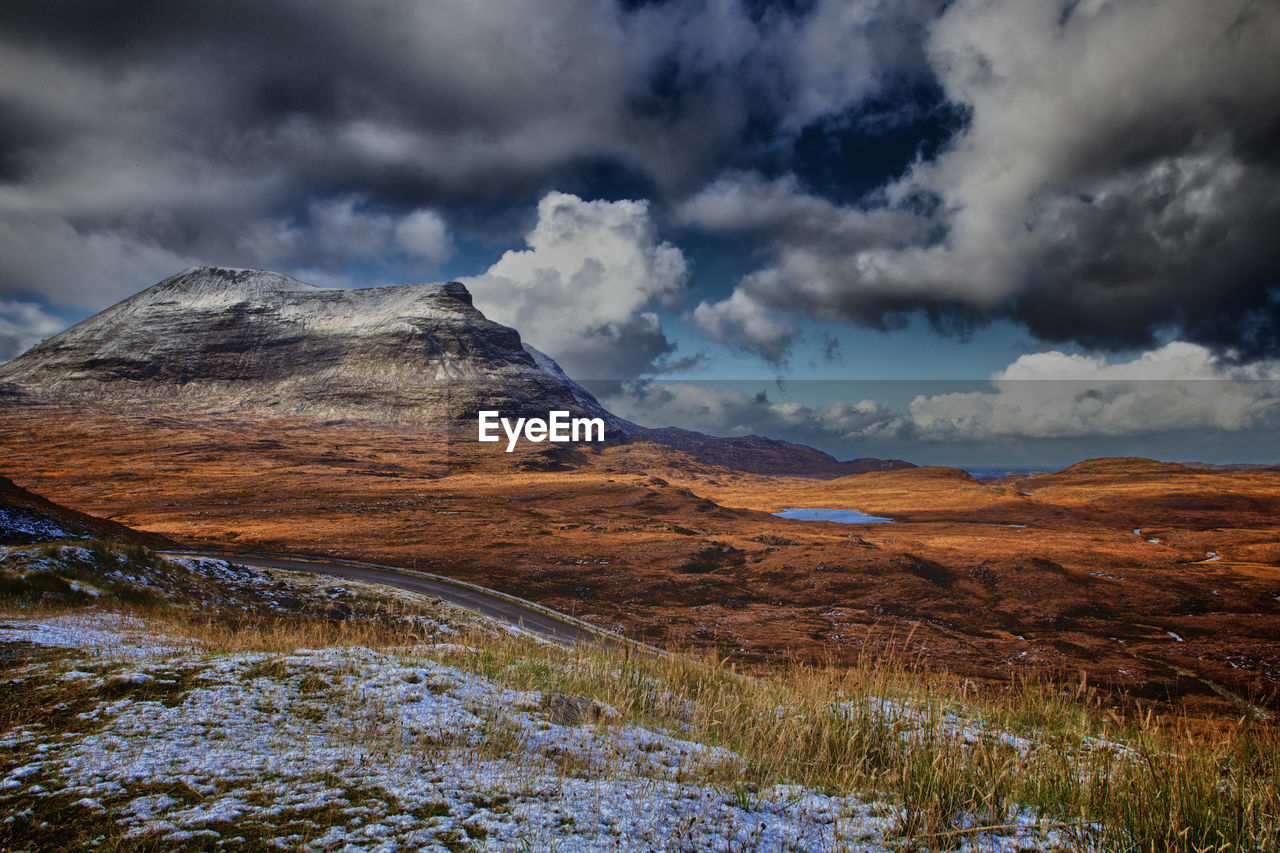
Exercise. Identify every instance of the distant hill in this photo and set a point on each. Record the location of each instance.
(1126, 465)
(261, 344)
(759, 455)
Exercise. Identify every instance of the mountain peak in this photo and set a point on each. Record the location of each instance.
(231, 283)
(221, 339)
(195, 280)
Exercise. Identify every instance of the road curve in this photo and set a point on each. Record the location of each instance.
(541, 621)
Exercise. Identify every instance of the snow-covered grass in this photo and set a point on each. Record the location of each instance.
(356, 748)
(230, 606)
(395, 722)
(21, 524)
(383, 749)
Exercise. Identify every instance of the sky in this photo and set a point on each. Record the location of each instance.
(978, 232)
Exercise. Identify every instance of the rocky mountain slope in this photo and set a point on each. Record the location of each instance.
(260, 343)
(222, 339)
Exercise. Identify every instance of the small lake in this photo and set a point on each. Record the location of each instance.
(840, 516)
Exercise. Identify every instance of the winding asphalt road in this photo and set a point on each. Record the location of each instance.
(536, 620)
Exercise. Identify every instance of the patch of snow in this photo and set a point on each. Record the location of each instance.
(23, 522)
(76, 674)
(103, 634)
(453, 648)
(921, 720)
(916, 720)
(133, 678)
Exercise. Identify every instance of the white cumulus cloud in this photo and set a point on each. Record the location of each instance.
(1177, 388)
(744, 324)
(23, 324)
(584, 290)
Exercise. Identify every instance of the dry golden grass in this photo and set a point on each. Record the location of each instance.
(882, 727)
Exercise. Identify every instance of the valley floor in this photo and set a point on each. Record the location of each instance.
(991, 580)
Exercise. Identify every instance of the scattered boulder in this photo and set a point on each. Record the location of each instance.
(566, 710)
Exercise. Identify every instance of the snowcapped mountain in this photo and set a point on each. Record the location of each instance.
(259, 343)
(219, 339)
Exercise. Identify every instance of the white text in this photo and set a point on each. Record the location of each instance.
(558, 427)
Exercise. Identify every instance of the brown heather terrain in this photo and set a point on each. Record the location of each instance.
(1036, 574)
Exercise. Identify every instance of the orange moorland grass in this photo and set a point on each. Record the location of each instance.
(650, 542)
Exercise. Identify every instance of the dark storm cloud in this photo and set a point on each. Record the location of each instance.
(142, 137)
(1106, 173)
(347, 93)
(1115, 183)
